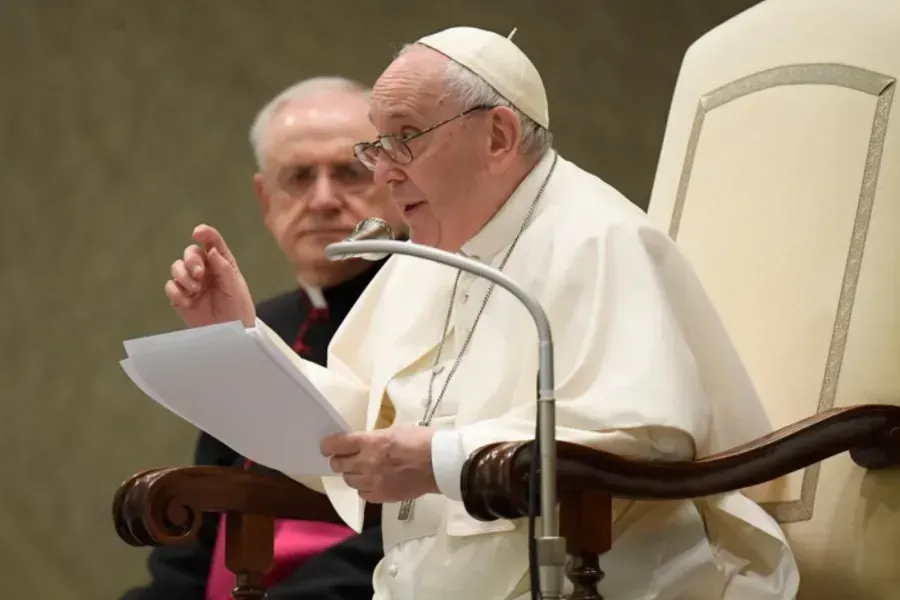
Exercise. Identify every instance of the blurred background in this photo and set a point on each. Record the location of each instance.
(124, 124)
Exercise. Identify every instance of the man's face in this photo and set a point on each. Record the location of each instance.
(312, 190)
(434, 191)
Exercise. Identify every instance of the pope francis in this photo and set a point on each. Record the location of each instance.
(432, 364)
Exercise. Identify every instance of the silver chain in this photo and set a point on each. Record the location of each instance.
(431, 406)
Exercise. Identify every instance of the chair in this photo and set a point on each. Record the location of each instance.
(777, 179)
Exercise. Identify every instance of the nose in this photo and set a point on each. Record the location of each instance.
(323, 194)
(387, 171)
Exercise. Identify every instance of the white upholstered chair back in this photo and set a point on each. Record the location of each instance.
(779, 177)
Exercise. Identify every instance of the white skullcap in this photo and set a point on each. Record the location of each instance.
(498, 61)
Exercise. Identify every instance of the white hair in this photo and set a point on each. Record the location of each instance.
(470, 90)
(298, 91)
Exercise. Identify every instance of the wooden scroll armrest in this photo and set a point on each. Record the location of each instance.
(165, 506)
(495, 478)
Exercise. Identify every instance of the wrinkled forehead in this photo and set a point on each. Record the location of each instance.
(412, 89)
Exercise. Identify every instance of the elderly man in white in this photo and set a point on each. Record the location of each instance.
(432, 364)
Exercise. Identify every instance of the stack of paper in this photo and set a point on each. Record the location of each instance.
(239, 385)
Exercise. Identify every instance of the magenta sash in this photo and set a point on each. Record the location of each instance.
(295, 541)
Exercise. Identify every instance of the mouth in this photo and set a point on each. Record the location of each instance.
(326, 232)
(409, 209)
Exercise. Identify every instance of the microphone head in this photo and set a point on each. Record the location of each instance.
(372, 228)
(369, 229)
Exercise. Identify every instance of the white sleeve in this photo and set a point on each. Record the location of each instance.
(447, 460)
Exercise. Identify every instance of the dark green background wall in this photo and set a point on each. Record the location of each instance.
(123, 124)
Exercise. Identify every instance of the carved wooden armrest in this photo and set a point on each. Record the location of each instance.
(495, 478)
(166, 506)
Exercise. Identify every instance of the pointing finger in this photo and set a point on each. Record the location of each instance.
(211, 238)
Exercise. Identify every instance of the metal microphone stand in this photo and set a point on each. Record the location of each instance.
(551, 547)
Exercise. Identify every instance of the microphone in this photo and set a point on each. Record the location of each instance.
(551, 548)
(372, 228)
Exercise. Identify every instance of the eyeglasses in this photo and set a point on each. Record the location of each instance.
(396, 146)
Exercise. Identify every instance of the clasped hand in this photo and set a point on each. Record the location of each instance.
(386, 465)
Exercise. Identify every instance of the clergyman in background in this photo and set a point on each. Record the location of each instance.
(311, 192)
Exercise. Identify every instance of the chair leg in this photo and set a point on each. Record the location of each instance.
(249, 541)
(586, 523)
(585, 574)
(249, 587)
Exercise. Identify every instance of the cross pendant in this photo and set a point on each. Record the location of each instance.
(406, 506)
(405, 510)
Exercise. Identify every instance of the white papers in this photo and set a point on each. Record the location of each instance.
(239, 386)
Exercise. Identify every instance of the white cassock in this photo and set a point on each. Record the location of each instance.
(644, 369)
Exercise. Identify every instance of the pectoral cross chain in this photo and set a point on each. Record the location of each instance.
(406, 507)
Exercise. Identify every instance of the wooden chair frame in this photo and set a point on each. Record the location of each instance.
(165, 506)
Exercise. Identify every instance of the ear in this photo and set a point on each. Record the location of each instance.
(262, 195)
(504, 136)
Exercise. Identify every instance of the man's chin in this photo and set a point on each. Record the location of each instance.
(311, 250)
(323, 238)
(314, 243)
(425, 237)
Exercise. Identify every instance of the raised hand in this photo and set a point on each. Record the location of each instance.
(207, 286)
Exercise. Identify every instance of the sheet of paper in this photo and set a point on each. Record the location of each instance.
(222, 380)
(162, 341)
(129, 369)
(286, 358)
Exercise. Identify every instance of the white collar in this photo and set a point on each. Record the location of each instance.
(315, 294)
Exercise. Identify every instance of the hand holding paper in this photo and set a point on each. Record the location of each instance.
(240, 386)
(386, 465)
